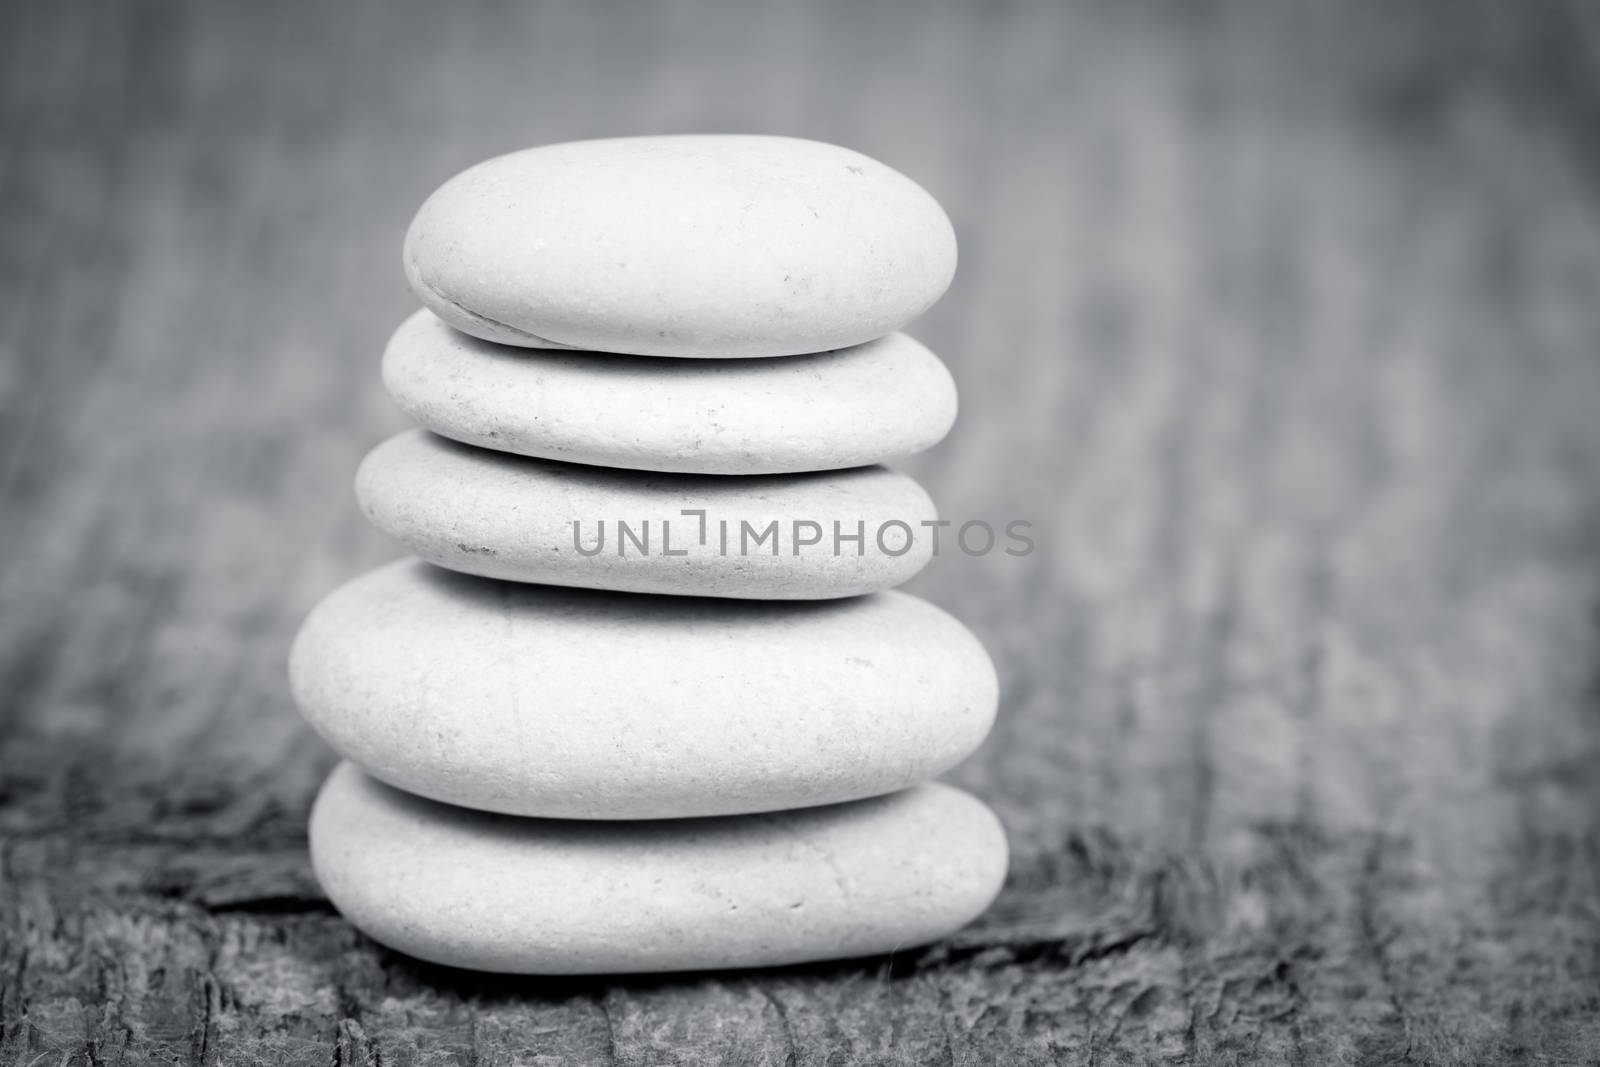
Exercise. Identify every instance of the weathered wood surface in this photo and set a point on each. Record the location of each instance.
(1279, 320)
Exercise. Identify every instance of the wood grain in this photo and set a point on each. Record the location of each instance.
(1278, 321)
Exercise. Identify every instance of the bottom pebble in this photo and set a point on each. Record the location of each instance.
(542, 896)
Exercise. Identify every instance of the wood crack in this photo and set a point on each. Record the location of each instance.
(1373, 944)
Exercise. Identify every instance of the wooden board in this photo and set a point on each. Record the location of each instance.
(1279, 321)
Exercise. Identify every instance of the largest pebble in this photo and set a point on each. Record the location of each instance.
(535, 896)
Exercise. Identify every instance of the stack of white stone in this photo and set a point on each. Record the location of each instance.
(648, 366)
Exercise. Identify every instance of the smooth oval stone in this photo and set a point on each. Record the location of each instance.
(709, 246)
(532, 520)
(542, 896)
(569, 703)
(877, 401)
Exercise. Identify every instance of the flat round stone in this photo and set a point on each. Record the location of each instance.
(703, 246)
(534, 520)
(540, 896)
(569, 703)
(878, 401)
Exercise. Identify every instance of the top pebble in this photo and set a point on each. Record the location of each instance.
(704, 246)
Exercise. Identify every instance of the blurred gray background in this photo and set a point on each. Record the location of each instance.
(1279, 320)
